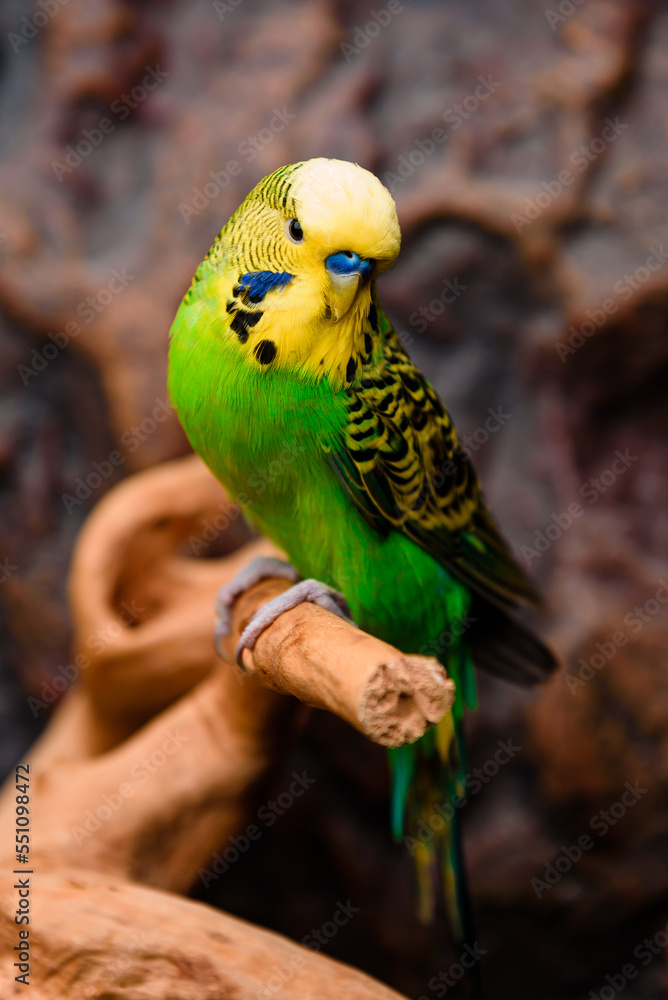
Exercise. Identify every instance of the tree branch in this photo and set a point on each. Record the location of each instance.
(327, 663)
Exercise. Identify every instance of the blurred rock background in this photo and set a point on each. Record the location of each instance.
(129, 131)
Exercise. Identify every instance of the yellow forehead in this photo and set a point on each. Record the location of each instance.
(342, 206)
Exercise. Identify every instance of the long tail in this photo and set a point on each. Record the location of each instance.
(428, 790)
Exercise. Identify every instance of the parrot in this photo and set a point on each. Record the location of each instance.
(296, 391)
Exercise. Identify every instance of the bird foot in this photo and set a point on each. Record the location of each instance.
(258, 569)
(264, 568)
(305, 590)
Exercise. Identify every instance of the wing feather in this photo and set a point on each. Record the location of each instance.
(400, 461)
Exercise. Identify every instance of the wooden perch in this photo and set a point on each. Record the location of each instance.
(327, 663)
(130, 556)
(159, 755)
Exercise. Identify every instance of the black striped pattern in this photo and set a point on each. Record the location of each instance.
(401, 463)
(253, 231)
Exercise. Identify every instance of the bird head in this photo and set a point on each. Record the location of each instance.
(294, 268)
(348, 229)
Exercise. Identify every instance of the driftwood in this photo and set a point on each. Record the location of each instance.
(327, 663)
(158, 753)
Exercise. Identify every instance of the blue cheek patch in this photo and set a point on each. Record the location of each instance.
(256, 284)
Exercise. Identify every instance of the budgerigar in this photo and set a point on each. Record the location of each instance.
(281, 358)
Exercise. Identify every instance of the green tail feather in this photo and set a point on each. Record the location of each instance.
(402, 763)
(427, 778)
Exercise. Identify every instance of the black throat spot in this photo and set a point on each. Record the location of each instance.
(265, 351)
(242, 323)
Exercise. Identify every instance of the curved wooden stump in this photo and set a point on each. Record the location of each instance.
(327, 663)
(159, 753)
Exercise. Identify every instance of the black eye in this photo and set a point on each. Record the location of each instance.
(295, 231)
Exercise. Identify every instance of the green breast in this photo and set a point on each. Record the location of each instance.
(260, 431)
(264, 436)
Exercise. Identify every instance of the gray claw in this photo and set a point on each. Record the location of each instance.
(260, 568)
(305, 590)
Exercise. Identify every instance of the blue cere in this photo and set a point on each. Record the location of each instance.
(256, 284)
(347, 262)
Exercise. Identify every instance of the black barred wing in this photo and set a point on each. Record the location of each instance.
(401, 463)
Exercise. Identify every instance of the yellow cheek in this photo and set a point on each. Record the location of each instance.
(293, 320)
(315, 323)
